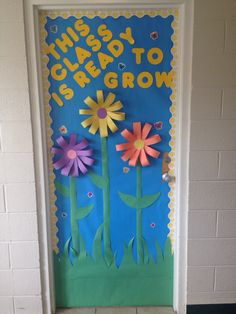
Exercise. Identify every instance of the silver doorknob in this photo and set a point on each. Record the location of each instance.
(166, 177)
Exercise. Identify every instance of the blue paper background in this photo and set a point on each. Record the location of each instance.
(145, 105)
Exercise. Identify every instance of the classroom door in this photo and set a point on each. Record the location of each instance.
(109, 83)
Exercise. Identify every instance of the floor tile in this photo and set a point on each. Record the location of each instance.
(76, 311)
(116, 310)
(155, 310)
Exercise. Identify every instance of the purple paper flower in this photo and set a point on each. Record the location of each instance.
(74, 157)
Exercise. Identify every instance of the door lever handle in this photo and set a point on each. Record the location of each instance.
(166, 177)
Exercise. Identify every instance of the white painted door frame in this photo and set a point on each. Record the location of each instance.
(31, 8)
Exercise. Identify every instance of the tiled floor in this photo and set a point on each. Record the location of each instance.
(118, 310)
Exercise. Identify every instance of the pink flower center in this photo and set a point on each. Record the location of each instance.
(102, 113)
(71, 154)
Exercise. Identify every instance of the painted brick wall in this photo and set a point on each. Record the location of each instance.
(212, 203)
(19, 252)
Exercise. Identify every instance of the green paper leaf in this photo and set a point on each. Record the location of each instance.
(82, 212)
(129, 200)
(99, 181)
(139, 203)
(148, 200)
(64, 190)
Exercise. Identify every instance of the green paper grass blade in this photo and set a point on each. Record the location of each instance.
(97, 244)
(109, 257)
(83, 253)
(99, 181)
(142, 202)
(67, 247)
(74, 252)
(145, 251)
(82, 212)
(160, 257)
(128, 258)
(62, 189)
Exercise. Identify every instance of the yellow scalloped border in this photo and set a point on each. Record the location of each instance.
(46, 84)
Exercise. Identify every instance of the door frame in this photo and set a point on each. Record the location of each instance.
(31, 8)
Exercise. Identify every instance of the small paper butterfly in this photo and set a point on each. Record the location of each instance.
(158, 125)
(121, 66)
(154, 35)
(90, 194)
(126, 169)
(54, 29)
(63, 129)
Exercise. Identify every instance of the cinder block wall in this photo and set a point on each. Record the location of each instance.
(212, 203)
(20, 290)
(212, 216)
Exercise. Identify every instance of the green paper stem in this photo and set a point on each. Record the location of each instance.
(139, 215)
(73, 215)
(106, 202)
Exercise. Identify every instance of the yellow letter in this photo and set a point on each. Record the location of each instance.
(115, 47)
(148, 78)
(82, 54)
(138, 52)
(104, 59)
(51, 49)
(66, 41)
(164, 78)
(72, 34)
(70, 66)
(92, 70)
(94, 43)
(84, 29)
(127, 35)
(66, 91)
(57, 99)
(110, 80)
(105, 33)
(81, 78)
(58, 76)
(128, 80)
(155, 51)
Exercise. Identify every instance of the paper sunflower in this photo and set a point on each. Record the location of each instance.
(74, 157)
(102, 113)
(138, 146)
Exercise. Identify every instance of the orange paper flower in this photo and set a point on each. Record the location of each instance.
(138, 146)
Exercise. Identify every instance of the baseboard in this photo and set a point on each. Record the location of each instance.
(212, 309)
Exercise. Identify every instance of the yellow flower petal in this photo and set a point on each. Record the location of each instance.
(111, 125)
(87, 122)
(86, 111)
(119, 116)
(100, 98)
(116, 106)
(103, 127)
(94, 127)
(109, 100)
(91, 103)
